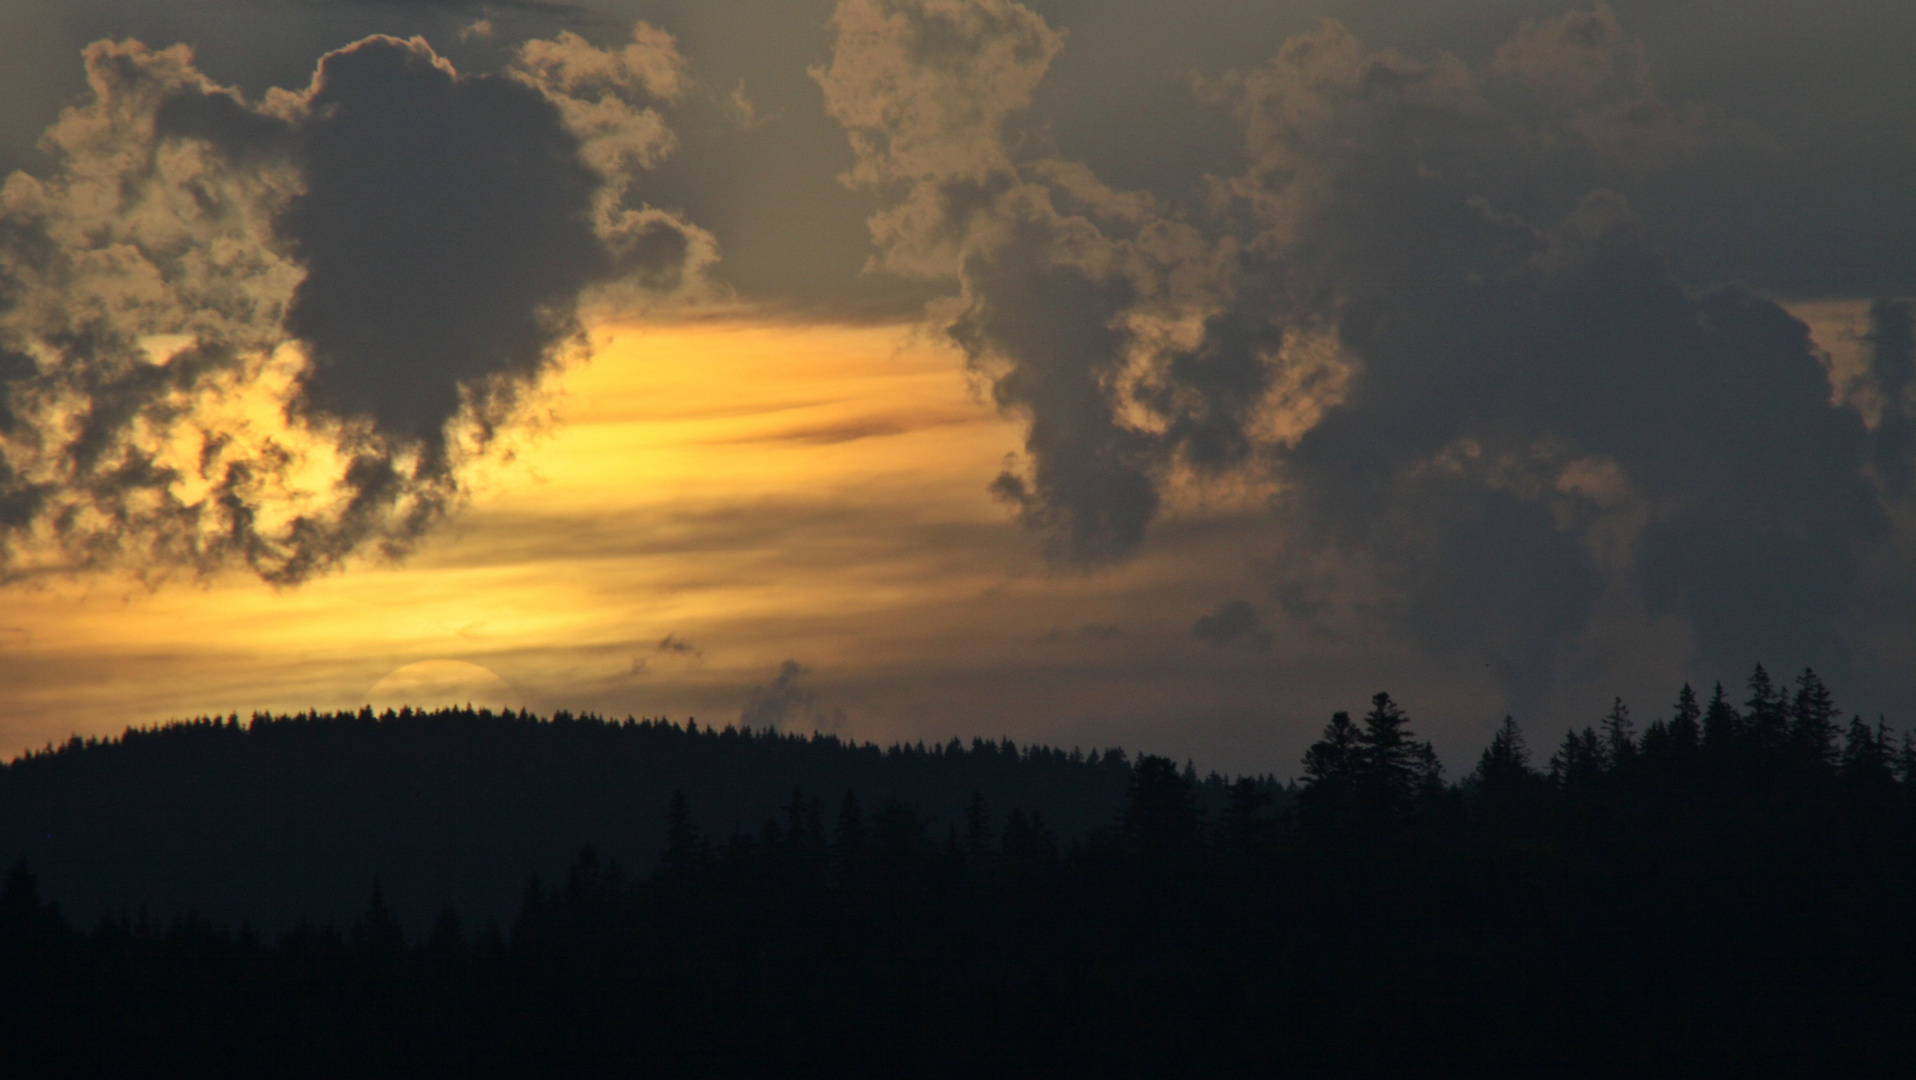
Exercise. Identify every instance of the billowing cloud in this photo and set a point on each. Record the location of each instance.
(1542, 417)
(1408, 329)
(1418, 310)
(1055, 305)
(272, 331)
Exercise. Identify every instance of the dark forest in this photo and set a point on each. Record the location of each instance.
(1731, 883)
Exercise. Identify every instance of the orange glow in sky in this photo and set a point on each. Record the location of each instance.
(686, 463)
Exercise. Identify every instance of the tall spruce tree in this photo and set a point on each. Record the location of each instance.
(1685, 733)
(1867, 758)
(1766, 715)
(1722, 727)
(1505, 764)
(1331, 769)
(1813, 723)
(1579, 764)
(1394, 768)
(1619, 737)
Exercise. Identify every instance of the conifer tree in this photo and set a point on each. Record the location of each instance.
(1160, 820)
(1619, 743)
(1866, 757)
(1393, 767)
(684, 849)
(1722, 727)
(1333, 759)
(1507, 787)
(1331, 769)
(377, 934)
(1813, 722)
(1765, 715)
(1580, 762)
(1245, 829)
(1656, 745)
(849, 842)
(977, 830)
(1685, 733)
(1504, 767)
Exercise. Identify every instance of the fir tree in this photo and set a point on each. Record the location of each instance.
(1867, 758)
(1393, 767)
(1580, 763)
(684, 850)
(1766, 715)
(1722, 727)
(1685, 733)
(1332, 761)
(1504, 767)
(1619, 742)
(1332, 767)
(1160, 820)
(1813, 722)
(1246, 828)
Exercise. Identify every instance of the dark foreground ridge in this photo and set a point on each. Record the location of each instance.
(287, 817)
(1731, 886)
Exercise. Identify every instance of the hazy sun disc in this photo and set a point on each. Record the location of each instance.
(431, 684)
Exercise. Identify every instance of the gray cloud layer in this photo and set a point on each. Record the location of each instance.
(1418, 308)
(1448, 279)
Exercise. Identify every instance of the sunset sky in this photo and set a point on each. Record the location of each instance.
(1149, 374)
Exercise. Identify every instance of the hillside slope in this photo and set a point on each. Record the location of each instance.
(296, 816)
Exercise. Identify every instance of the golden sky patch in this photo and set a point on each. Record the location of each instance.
(700, 477)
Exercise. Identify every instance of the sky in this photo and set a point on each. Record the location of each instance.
(1090, 373)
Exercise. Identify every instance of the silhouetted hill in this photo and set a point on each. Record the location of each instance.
(1730, 887)
(296, 816)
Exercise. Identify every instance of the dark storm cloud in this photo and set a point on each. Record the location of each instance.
(451, 269)
(1233, 621)
(1417, 306)
(1539, 412)
(400, 249)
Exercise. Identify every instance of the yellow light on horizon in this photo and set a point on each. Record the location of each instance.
(668, 493)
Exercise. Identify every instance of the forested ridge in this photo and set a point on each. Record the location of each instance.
(1732, 883)
(275, 818)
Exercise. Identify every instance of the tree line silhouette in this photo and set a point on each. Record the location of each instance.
(1733, 884)
(278, 818)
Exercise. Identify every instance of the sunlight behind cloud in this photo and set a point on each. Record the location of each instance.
(725, 480)
(435, 683)
(768, 493)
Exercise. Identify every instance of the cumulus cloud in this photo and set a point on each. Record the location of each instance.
(606, 99)
(1418, 309)
(1542, 417)
(272, 331)
(1063, 290)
